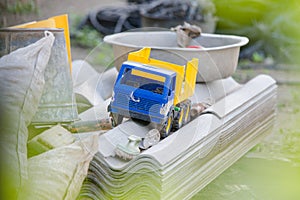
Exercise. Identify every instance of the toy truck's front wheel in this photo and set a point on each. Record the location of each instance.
(167, 126)
(116, 119)
(187, 111)
(183, 115)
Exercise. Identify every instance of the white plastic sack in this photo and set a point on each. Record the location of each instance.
(59, 173)
(21, 86)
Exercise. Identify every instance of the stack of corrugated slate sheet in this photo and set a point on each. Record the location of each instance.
(186, 161)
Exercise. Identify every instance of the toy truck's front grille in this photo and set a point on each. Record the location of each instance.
(145, 104)
(142, 104)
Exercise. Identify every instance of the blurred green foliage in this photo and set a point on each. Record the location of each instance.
(21, 7)
(273, 24)
(86, 36)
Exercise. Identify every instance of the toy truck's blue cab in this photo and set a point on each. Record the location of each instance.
(143, 92)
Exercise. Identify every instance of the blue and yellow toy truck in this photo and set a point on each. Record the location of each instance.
(153, 91)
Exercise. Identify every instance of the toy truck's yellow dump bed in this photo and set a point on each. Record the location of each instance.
(185, 75)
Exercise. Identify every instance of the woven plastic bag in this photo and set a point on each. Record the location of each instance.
(60, 172)
(21, 86)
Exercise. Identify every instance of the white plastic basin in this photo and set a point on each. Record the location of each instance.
(218, 56)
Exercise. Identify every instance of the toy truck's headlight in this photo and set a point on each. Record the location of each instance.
(164, 109)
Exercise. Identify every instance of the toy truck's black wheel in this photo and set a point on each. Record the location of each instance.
(167, 126)
(116, 119)
(179, 120)
(187, 113)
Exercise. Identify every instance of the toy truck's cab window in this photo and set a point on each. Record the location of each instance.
(143, 80)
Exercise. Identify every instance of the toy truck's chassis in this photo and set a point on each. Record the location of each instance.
(177, 116)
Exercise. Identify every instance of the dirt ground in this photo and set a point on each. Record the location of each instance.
(46, 8)
(81, 7)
